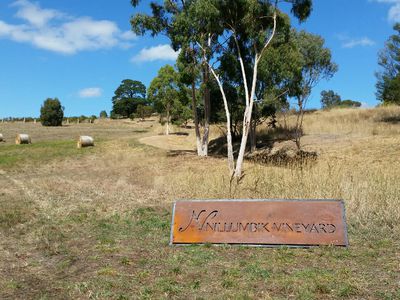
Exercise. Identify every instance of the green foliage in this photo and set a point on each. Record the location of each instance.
(127, 97)
(38, 153)
(388, 84)
(349, 104)
(143, 111)
(51, 112)
(330, 99)
(103, 114)
(189, 25)
(315, 63)
(169, 96)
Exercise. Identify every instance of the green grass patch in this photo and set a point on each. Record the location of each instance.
(39, 152)
(14, 211)
(128, 254)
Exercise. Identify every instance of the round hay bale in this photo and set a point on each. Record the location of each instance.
(85, 141)
(1, 138)
(23, 139)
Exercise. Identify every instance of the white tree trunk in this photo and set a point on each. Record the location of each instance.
(196, 121)
(231, 159)
(167, 131)
(247, 121)
(249, 99)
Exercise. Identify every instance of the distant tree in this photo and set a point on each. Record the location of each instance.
(183, 113)
(127, 97)
(103, 114)
(276, 73)
(315, 64)
(168, 96)
(330, 99)
(349, 104)
(388, 84)
(51, 112)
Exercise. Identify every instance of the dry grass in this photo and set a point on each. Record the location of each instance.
(95, 224)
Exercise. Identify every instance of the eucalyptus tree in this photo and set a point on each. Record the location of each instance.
(251, 25)
(168, 96)
(330, 99)
(388, 84)
(188, 26)
(315, 64)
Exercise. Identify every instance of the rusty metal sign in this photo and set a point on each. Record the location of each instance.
(267, 222)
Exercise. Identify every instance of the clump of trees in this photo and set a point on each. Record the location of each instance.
(330, 99)
(349, 104)
(388, 84)
(51, 112)
(240, 62)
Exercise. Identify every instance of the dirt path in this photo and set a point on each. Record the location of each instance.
(183, 142)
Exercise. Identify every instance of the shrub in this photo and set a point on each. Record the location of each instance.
(103, 114)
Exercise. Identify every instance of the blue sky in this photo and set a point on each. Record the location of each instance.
(79, 51)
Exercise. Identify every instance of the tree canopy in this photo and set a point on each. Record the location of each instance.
(330, 99)
(206, 30)
(169, 96)
(388, 84)
(127, 97)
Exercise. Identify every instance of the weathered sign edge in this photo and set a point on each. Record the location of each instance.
(258, 200)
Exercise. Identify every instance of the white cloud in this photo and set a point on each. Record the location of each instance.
(128, 36)
(363, 42)
(349, 42)
(55, 31)
(394, 13)
(160, 52)
(34, 14)
(92, 92)
(394, 10)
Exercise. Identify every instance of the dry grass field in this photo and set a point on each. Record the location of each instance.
(94, 223)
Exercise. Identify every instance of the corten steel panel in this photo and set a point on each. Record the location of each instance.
(260, 222)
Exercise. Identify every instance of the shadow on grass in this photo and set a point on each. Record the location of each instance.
(273, 147)
(175, 153)
(180, 133)
(390, 119)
